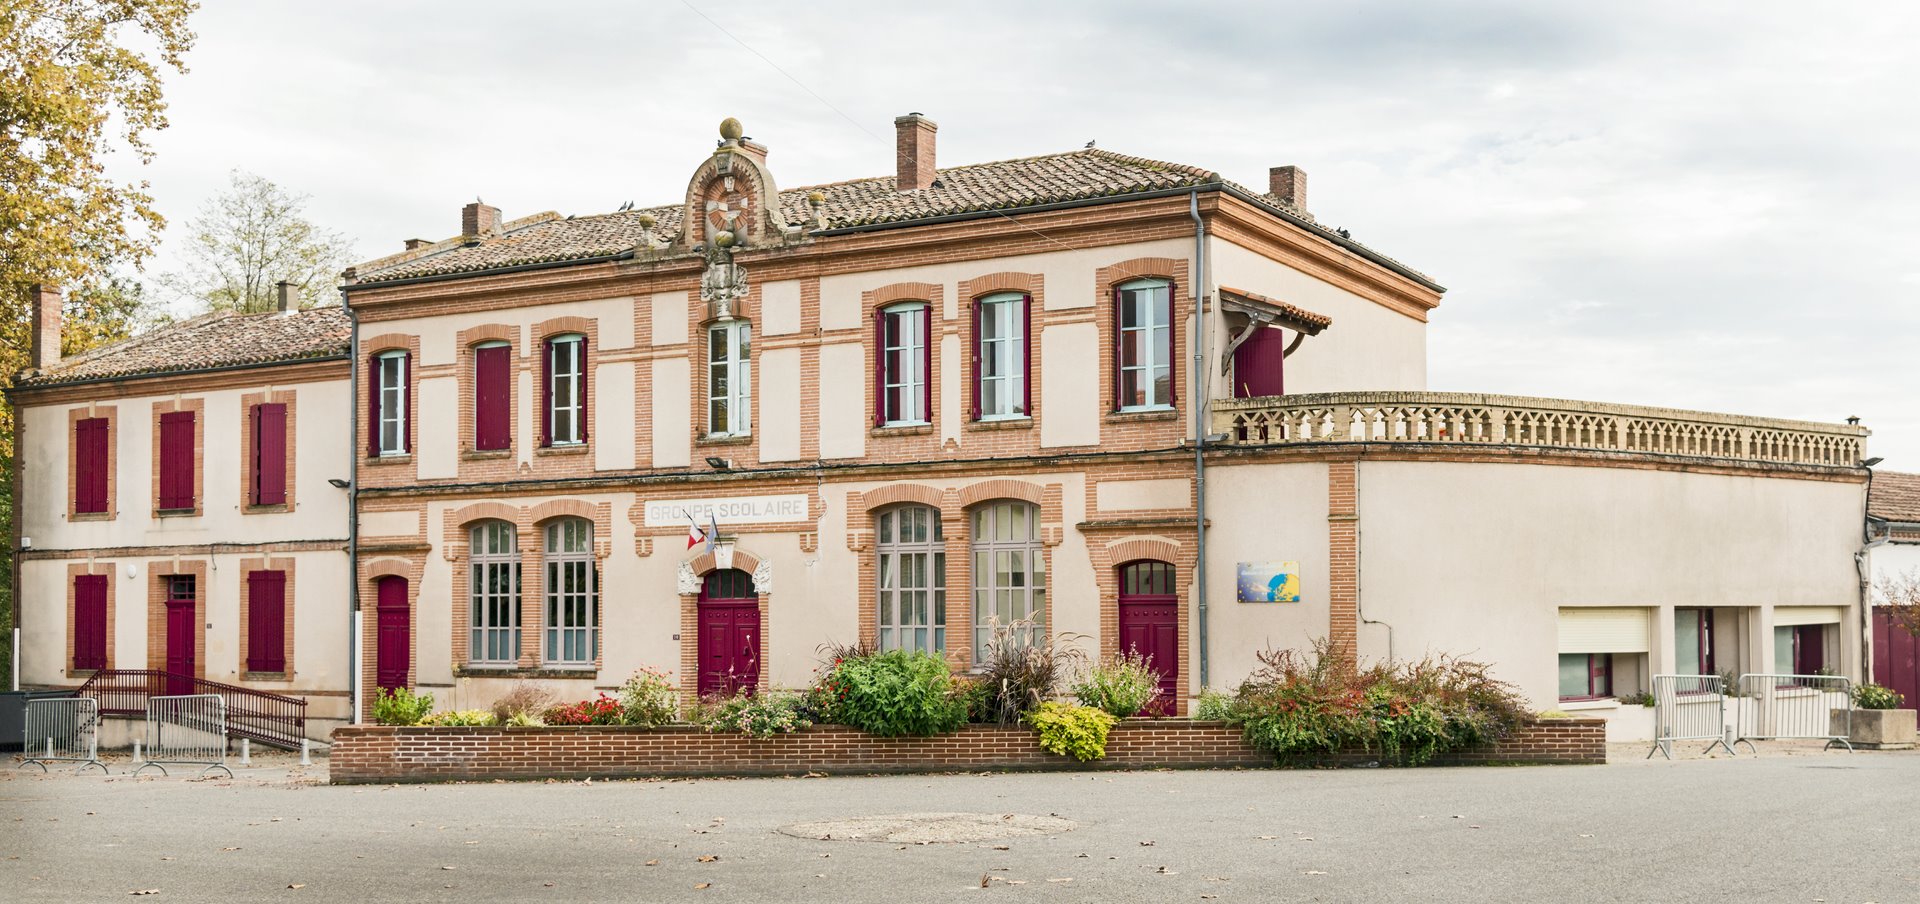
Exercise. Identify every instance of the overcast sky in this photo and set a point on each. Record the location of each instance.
(1700, 205)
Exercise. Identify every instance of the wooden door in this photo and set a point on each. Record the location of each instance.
(1150, 626)
(1259, 366)
(1896, 657)
(393, 635)
(180, 635)
(729, 634)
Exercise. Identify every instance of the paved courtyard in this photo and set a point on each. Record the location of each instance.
(1782, 826)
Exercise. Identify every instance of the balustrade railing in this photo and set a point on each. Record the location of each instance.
(1466, 419)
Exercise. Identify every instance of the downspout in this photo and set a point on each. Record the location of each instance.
(1862, 563)
(354, 633)
(1199, 401)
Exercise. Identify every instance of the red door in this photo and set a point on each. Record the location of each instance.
(393, 634)
(1896, 657)
(1150, 626)
(729, 639)
(181, 625)
(1259, 366)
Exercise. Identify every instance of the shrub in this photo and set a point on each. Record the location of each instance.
(525, 698)
(400, 706)
(762, 717)
(649, 699)
(1023, 668)
(1637, 698)
(1070, 730)
(1214, 706)
(461, 717)
(891, 694)
(1875, 696)
(1120, 685)
(1298, 705)
(603, 710)
(525, 720)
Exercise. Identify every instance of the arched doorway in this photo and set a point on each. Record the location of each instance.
(1150, 625)
(393, 634)
(728, 642)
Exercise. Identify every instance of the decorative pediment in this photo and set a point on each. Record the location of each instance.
(732, 201)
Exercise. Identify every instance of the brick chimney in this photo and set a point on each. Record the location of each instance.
(46, 325)
(417, 244)
(478, 219)
(1289, 185)
(289, 295)
(913, 150)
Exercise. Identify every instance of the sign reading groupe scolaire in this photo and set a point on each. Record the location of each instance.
(782, 509)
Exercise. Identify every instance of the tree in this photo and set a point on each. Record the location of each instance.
(251, 237)
(1900, 594)
(79, 80)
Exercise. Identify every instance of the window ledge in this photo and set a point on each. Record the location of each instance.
(177, 513)
(266, 509)
(1023, 422)
(563, 449)
(481, 671)
(901, 430)
(725, 439)
(265, 676)
(1584, 705)
(1144, 414)
(91, 516)
(484, 454)
(399, 458)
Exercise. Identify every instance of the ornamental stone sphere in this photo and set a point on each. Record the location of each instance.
(724, 238)
(731, 129)
(816, 197)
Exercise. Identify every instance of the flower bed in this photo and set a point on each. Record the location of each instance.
(381, 754)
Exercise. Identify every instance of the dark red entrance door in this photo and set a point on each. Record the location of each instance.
(1150, 626)
(181, 625)
(393, 634)
(729, 638)
(1896, 657)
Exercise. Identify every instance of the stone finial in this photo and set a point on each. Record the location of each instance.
(731, 129)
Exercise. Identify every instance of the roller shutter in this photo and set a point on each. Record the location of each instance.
(1786, 616)
(1603, 630)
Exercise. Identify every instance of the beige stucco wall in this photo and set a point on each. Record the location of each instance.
(1262, 513)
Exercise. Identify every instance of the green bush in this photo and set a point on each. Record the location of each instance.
(891, 694)
(1301, 705)
(1120, 685)
(401, 706)
(761, 716)
(649, 699)
(1874, 696)
(1214, 706)
(464, 717)
(1071, 730)
(525, 720)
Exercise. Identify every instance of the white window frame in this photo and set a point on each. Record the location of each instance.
(912, 327)
(1159, 340)
(392, 395)
(560, 367)
(572, 590)
(733, 340)
(1006, 532)
(1005, 312)
(910, 579)
(493, 591)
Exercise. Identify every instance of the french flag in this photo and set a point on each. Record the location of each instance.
(695, 536)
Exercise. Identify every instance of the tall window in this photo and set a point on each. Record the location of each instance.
(1799, 649)
(1009, 571)
(1693, 642)
(1143, 357)
(566, 409)
(91, 461)
(176, 461)
(268, 484)
(1586, 676)
(266, 621)
(492, 396)
(573, 594)
(902, 340)
(1000, 357)
(90, 621)
(389, 400)
(729, 379)
(912, 579)
(494, 586)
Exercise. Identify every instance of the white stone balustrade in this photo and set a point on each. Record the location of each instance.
(1468, 419)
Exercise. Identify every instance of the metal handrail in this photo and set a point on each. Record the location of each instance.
(273, 719)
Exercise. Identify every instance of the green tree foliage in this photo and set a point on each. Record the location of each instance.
(249, 238)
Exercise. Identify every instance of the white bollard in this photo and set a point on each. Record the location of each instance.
(246, 751)
(49, 746)
(306, 753)
(136, 751)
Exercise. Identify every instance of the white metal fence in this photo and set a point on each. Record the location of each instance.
(63, 730)
(1803, 707)
(189, 730)
(1689, 708)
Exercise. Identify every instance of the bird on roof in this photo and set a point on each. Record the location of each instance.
(1090, 143)
(627, 206)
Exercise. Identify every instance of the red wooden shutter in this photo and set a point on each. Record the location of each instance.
(926, 363)
(580, 368)
(546, 393)
(492, 397)
(176, 460)
(978, 309)
(1257, 364)
(1173, 326)
(406, 402)
(91, 462)
(1026, 355)
(1119, 354)
(270, 454)
(879, 367)
(373, 406)
(266, 621)
(90, 621)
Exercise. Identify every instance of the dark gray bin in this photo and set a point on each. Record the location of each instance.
(13, 714)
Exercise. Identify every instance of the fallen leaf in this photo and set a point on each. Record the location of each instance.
(145, 891)
(226, 849)
(1266, 837)
(298, 885)
(653, 863)
(449, 867)
(546, 884)
(1146, 844)
(1313, 872)
(1584, 835)
(1001, 847)
(708, 858)
(1167, 872)
(1473, 827)
(163, 858)
(985, 880)
(1061, 880)
(703, 885)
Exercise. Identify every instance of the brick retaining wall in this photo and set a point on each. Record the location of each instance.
(374, 754)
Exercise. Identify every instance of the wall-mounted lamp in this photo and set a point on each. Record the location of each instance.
(337, 483)
(719, 464)
(1868, 463)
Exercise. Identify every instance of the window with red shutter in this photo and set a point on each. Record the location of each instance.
(1259, 364)
(90, 464)
(905, 351)
(270, 454)
(266, 621)
(1143, 353)
(493, 397)
(176, 461)
(90, 621)
(1002, 354)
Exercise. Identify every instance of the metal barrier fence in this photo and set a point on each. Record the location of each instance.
(1795, 707)
(274, 719)
(62, 730)
(1689, 708)
(188, 730)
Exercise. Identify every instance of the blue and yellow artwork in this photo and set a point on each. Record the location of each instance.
(1269, 582)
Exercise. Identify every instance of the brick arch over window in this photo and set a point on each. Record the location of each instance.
(1110, 548)
(1155, 548)
(564, 508)
(388, 342)
(1007, 281)
(988, 490)
(413, 571)
(468, 341)
(380, 568)
(874, 500)
(560, 326)
(971, 292)
(701, 566)
(487, 332)
(930, 293)
(485, 511)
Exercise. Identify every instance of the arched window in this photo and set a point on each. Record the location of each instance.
(1009, 571)
(1143, 345)
(573, 594)
(494, 590)
(730, 584)
(903, 350)
(912, 579)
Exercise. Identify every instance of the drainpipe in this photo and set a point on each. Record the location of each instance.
(354, 634)
(1862, 563)
(1200, 425)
